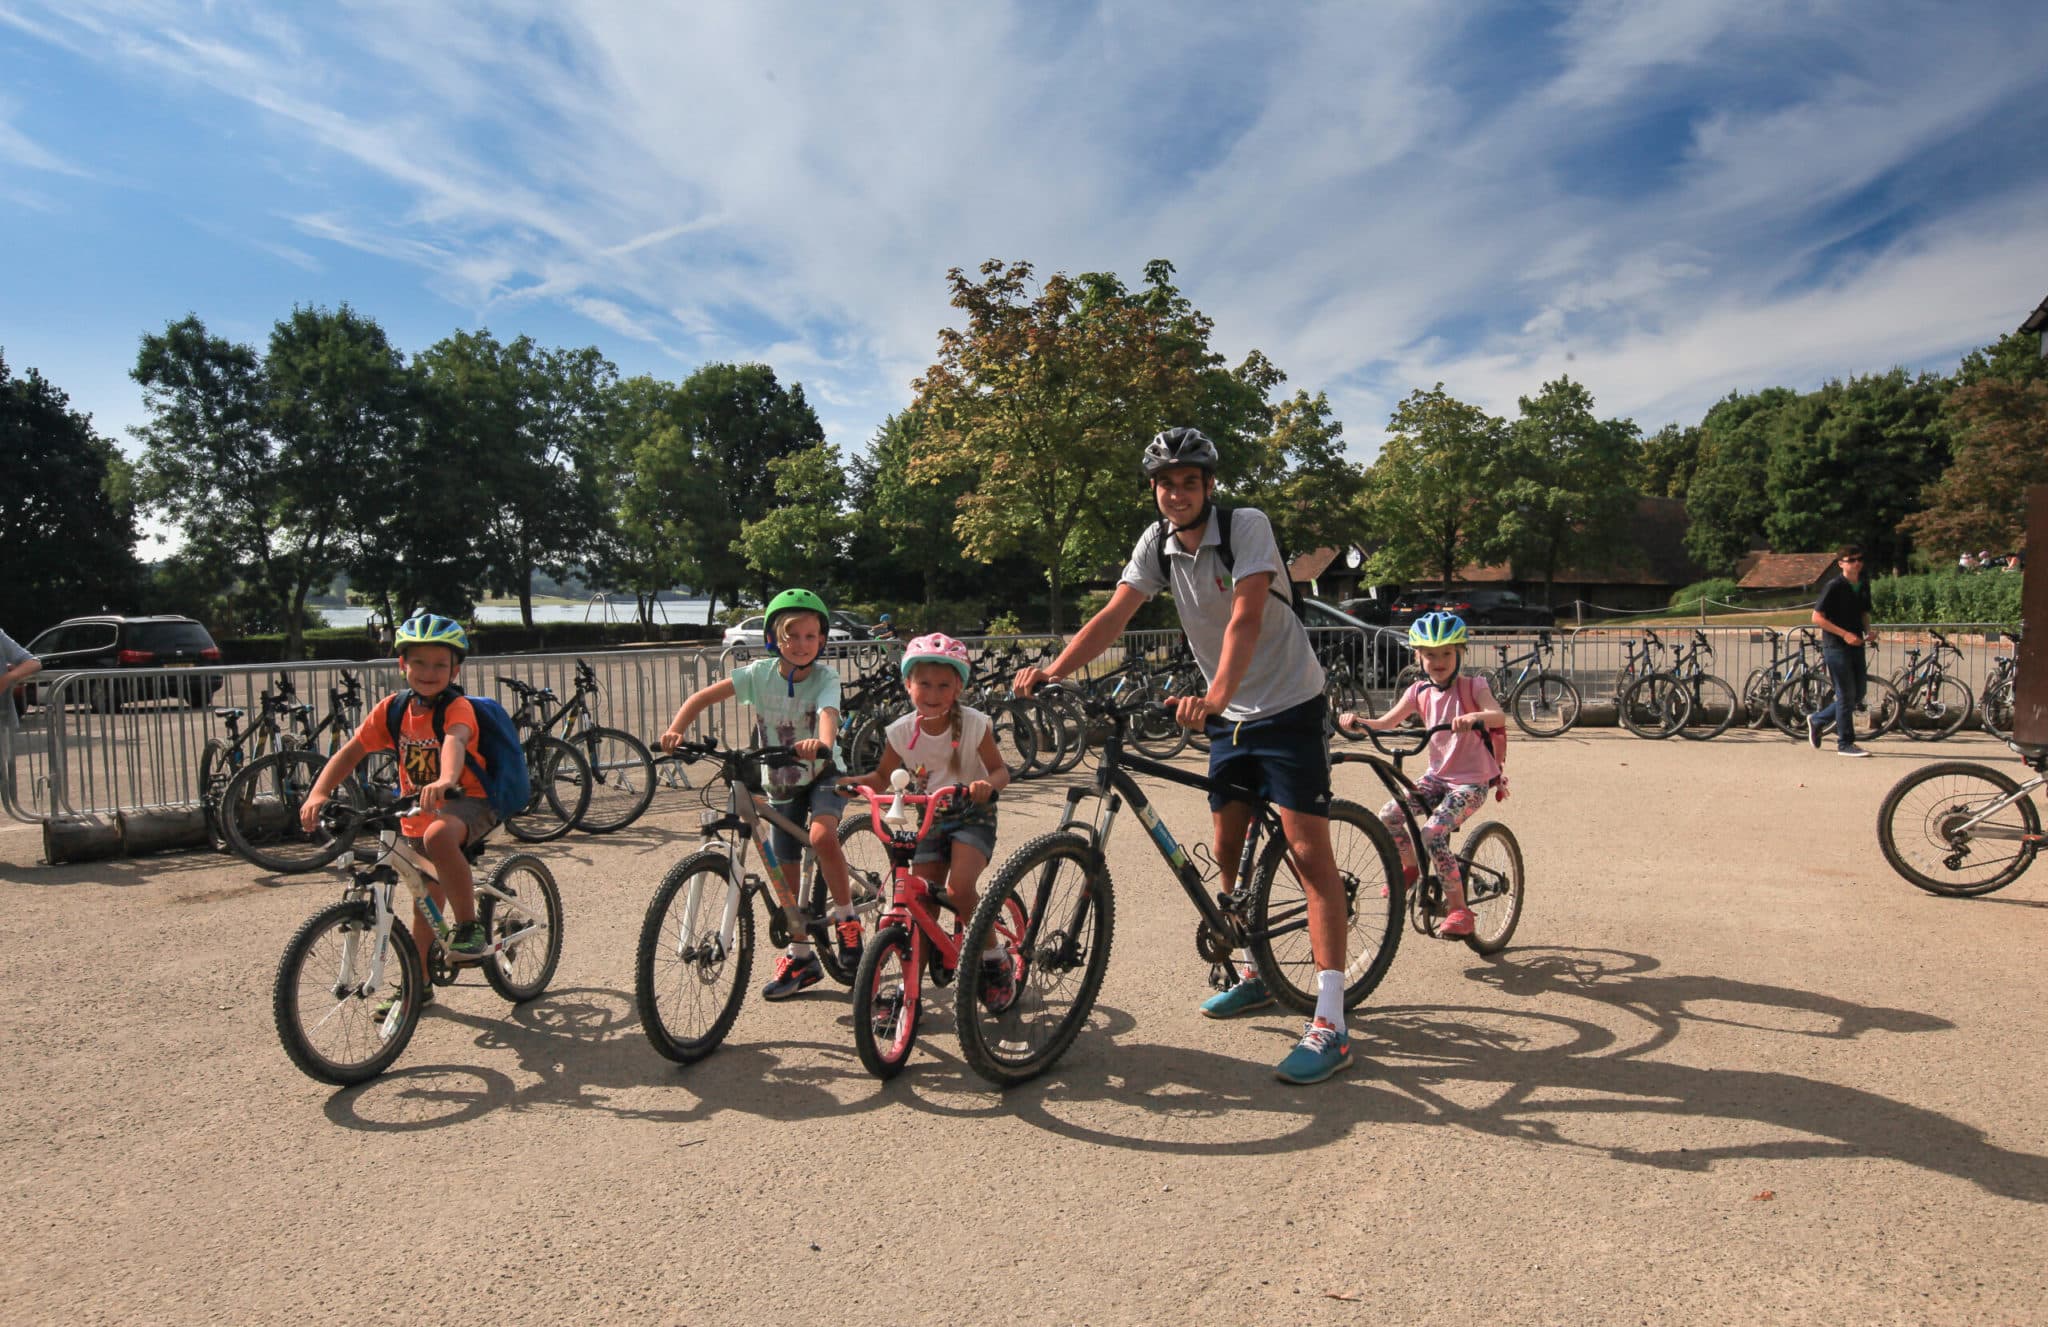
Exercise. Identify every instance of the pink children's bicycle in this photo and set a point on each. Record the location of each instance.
(910, 940)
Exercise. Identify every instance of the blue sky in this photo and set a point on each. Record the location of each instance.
(1669, 201)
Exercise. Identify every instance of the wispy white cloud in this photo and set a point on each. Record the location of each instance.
(1380, 197)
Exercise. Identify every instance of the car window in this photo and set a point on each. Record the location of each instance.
(48, 642)
(169, 637)
(91, 636)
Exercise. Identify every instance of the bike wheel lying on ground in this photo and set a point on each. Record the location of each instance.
(621, 779)
(524, 970)
(1924, 828)
(1655, 706)
(560, 779)
(1068, 919)
(1492, 863)
(259, 813)
(1367, 863)
(1545, 705)
(324, 1003)
(687, 985)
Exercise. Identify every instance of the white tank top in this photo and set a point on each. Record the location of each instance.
(935, 759)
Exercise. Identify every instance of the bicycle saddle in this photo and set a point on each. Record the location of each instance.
(229, 714)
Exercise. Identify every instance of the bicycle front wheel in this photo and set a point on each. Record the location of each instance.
(687, 983)
(1994, 708)
(325, 1003)
(1545, 705)
(886, 1003)
(1711, 707)
(559, 777)
(1655, 706)
(259, 813)
(1925, 828)
(529, 922)
(621, 779)
(1492, 864)
(1055, 895)
(1933, 709)
(1369, 874)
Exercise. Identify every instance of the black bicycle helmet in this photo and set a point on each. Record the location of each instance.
(1180, 446)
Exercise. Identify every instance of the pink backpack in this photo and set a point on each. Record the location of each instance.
(1496, 738)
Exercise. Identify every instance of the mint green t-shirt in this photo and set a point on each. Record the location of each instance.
(786, 712)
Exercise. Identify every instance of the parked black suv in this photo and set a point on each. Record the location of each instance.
(1376, 654)
(107, 641)
(1495, 608)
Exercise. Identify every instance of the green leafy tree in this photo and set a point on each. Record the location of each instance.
(1850, 462)
(1431, 498)
(1574, 484)
(801, 541)
(702, 475)
(1044, 400)
(626, 551)
(1670, 459)
(2014, 357)
(1301, 478)
(2001, 446)
(67, 516)
(1729, 498)
(903, 526)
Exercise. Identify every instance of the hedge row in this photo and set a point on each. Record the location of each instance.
(1948, 596)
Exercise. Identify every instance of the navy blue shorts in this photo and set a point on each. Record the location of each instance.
(1285, 757)
(804, 805)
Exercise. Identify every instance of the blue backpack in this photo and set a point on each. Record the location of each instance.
(503, 771)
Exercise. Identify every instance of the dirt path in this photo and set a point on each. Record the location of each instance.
(1733, 1070)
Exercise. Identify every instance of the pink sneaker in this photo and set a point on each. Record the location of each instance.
(1458, 924)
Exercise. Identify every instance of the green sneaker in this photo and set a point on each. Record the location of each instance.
(469, 940)
(382, 1009)
(1323, 1050)
(1249, 994)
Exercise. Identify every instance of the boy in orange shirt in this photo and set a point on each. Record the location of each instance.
(430, 652)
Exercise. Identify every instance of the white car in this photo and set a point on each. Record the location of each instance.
(746, 633)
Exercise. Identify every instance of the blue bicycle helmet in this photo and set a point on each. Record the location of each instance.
(1433, 630)
(432, 629)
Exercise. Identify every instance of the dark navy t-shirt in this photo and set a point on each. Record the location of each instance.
(1847, 605)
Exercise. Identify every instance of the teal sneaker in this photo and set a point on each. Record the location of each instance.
(1323, 1051)
(1249, 994)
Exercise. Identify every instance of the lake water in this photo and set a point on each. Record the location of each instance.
(669, 610)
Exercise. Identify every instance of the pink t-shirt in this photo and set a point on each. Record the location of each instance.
(1456, 757)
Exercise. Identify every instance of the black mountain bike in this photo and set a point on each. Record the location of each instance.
(1061, 881)
(1543, 701)
(621, 766)
(260, 806)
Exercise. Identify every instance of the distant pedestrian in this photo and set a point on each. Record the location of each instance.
(19, 666)
(1843, 613)
(1965, 562)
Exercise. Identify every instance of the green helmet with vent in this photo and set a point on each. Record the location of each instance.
(793, 601)
(1433, 630)
(432, 629)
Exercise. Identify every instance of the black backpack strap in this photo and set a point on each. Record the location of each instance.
(1159, 550)
(394, 713)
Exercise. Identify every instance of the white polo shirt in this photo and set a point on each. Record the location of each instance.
(1284, 670)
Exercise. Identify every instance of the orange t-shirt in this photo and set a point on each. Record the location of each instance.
(419, 751)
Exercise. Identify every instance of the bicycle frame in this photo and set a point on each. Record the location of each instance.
(912, 896)
(745, 810)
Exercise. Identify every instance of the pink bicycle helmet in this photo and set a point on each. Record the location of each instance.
(937, 647)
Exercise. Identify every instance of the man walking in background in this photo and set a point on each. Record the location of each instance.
(1843, 615)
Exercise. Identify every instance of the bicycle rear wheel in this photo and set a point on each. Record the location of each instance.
(1994, 708)
(325, 1005)
(1492, 864)
(259, 813)
(1367, 864)
(560, 781)
(1712, 706)
(1057, 895)
(1545, 705)
(869, 876)
(1921, 828)
(621, 779)
(1655, 706)
(534, 913)
(887, 1003)
(687, 985)
(1157, 734)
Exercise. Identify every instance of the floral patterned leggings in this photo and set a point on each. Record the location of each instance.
(1441, 807)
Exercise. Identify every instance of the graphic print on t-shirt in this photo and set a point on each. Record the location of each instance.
(421, 761)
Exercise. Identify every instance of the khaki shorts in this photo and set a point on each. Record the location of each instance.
(475, 814)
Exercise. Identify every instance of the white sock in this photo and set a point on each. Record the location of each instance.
(1247, 970)
(843, 914)
(1330, 998)
(800, 952)
(993, 954)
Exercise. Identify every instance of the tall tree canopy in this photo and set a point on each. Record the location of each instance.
(1573, 484)
(1432, 497)
(1046, 399)
(67, 517)
(1301, 478)
(1849, 462)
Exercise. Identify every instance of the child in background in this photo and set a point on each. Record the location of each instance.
(1461, 764)
(796, 702)
(942, 742)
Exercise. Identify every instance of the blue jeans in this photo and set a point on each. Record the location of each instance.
(1847, 667)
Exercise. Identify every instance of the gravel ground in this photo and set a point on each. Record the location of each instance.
(1732, 1070)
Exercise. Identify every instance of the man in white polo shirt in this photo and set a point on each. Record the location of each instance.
(1264, 710)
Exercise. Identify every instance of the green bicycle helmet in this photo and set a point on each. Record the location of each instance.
(793, 601)
(431, 629)
(1432, 630)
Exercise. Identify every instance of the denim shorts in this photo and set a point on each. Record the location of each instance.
(976, 827)
(812, 799)
(1285, 757)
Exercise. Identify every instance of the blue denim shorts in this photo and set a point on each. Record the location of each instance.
(976, 827)
(1285, 757)
(812, 799)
